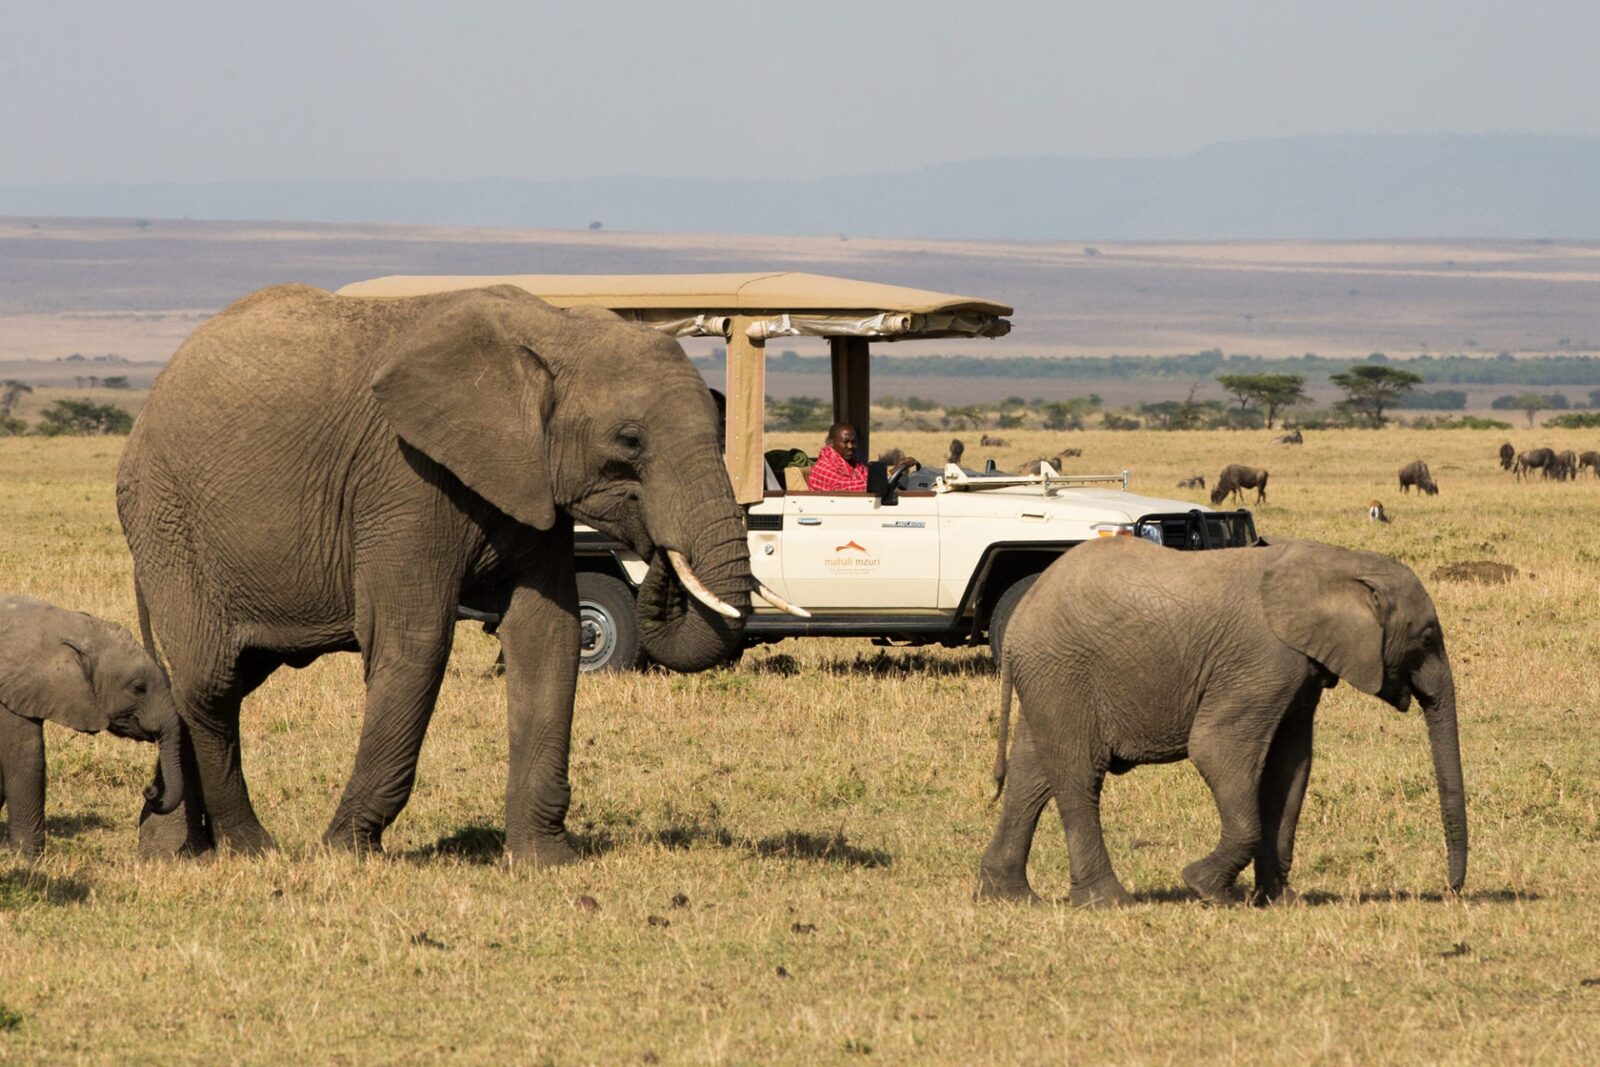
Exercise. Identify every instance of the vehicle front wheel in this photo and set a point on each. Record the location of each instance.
(608, 629)
(1001, 615)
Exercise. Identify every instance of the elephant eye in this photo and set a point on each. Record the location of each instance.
(139, 688)
(631, 440)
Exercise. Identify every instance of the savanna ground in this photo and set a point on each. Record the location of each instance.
(781, 855)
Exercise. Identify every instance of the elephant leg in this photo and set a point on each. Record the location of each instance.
(539, 634)
(1283, 790)
(1231, 762)
(1003, 875)
(209, 695)
(405, 664)
(22, 759)
(1078, 780)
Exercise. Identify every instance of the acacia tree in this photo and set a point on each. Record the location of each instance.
(10, 390)
(1372, 387)
(1270, 392)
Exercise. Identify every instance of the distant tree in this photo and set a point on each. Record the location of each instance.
(595, 225)
(1435, 400)
(1070, 414)
(1013, 411)
(967, 417)
(83, 418)
(1370, 388)
(10, 391)
(116, 381)
(1576, 420)
(1271, 392)
(1530, 404)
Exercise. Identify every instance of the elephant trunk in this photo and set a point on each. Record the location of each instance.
(1438, 703)
(166, 793)
(678, 630)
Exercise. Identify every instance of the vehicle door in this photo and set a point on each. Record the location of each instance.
(852, 552)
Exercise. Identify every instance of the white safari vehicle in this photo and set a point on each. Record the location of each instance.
(936, 556)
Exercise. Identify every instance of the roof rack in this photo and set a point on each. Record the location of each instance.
(1048, 478)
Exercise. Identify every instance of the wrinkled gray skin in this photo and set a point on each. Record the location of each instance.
(1508, 456)
(83, 673)
(1236, 478)
(1416, 474)
(1124, 653)
(317, 474)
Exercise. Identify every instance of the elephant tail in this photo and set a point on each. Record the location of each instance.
(1005, 727)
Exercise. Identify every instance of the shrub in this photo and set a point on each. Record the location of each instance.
(83, 418)
(1463, 422)
(1576, 420)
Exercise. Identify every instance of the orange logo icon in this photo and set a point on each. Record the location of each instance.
(850, 544)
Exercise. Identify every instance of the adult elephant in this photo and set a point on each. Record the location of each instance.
(1126, 654)
(315, 473)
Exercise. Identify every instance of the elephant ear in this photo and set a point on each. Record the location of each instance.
(466, 387)
(45, 677)
(1319, 602)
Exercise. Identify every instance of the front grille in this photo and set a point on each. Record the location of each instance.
(1199, 530)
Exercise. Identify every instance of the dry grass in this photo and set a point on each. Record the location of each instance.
(808, 826)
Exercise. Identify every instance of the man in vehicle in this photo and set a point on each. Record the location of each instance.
(839, 469)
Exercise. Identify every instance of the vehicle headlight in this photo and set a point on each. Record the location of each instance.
(1152, 532)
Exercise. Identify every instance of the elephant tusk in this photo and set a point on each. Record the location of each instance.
(680, 563)
(781, 604)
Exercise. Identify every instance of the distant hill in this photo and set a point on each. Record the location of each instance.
(1324, 188)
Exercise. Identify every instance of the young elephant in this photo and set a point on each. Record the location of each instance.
(1124, 653)
(84, 673)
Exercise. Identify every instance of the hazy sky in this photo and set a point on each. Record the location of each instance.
(199, 91)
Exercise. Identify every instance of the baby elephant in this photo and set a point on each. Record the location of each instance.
(84, 673)
(1125, 653)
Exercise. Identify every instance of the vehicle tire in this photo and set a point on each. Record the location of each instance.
(608, 629)
(1001, 615)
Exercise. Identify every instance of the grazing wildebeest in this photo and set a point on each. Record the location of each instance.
(1033, 465)
(1567, 465)
(1416, 473)
(1534, 459)
(1065, 452)
(956, 448)
(1293, 437)
(1590, 460)
(1236, 478)
(1508, 456)
(991, 442)
(1194, 481)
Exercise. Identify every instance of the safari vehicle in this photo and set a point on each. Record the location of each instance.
(934, 556)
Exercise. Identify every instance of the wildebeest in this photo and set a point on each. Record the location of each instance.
(1590, 460)
(1293, 437)
(1033, 465)
(1534, 459)
(956, 448)
(992, 442)
(1567, 464)
(1508, 456)
(1416, 473)
(1236, 478)
(1065, 452)
(1194, 481)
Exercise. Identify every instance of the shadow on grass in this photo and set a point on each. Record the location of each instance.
(481, 844)
(73, 825)
(21, 887)
(1316, 898)
(899, 665)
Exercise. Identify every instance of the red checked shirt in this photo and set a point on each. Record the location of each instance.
(832, 473)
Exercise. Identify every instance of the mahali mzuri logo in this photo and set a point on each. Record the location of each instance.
(852, 557)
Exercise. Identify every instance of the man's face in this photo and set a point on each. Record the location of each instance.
(845, 443)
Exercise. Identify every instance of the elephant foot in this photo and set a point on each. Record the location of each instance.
(254, 841)
(1279, 894)
(359, 840)
(1210, 886)
(552, 851)
(994, 885)
(1106, 894)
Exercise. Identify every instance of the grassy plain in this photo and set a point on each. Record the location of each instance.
(782, 854)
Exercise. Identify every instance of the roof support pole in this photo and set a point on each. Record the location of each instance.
(747, 389)
(852, 397)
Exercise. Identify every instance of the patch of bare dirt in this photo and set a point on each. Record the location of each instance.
(1481, 571)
